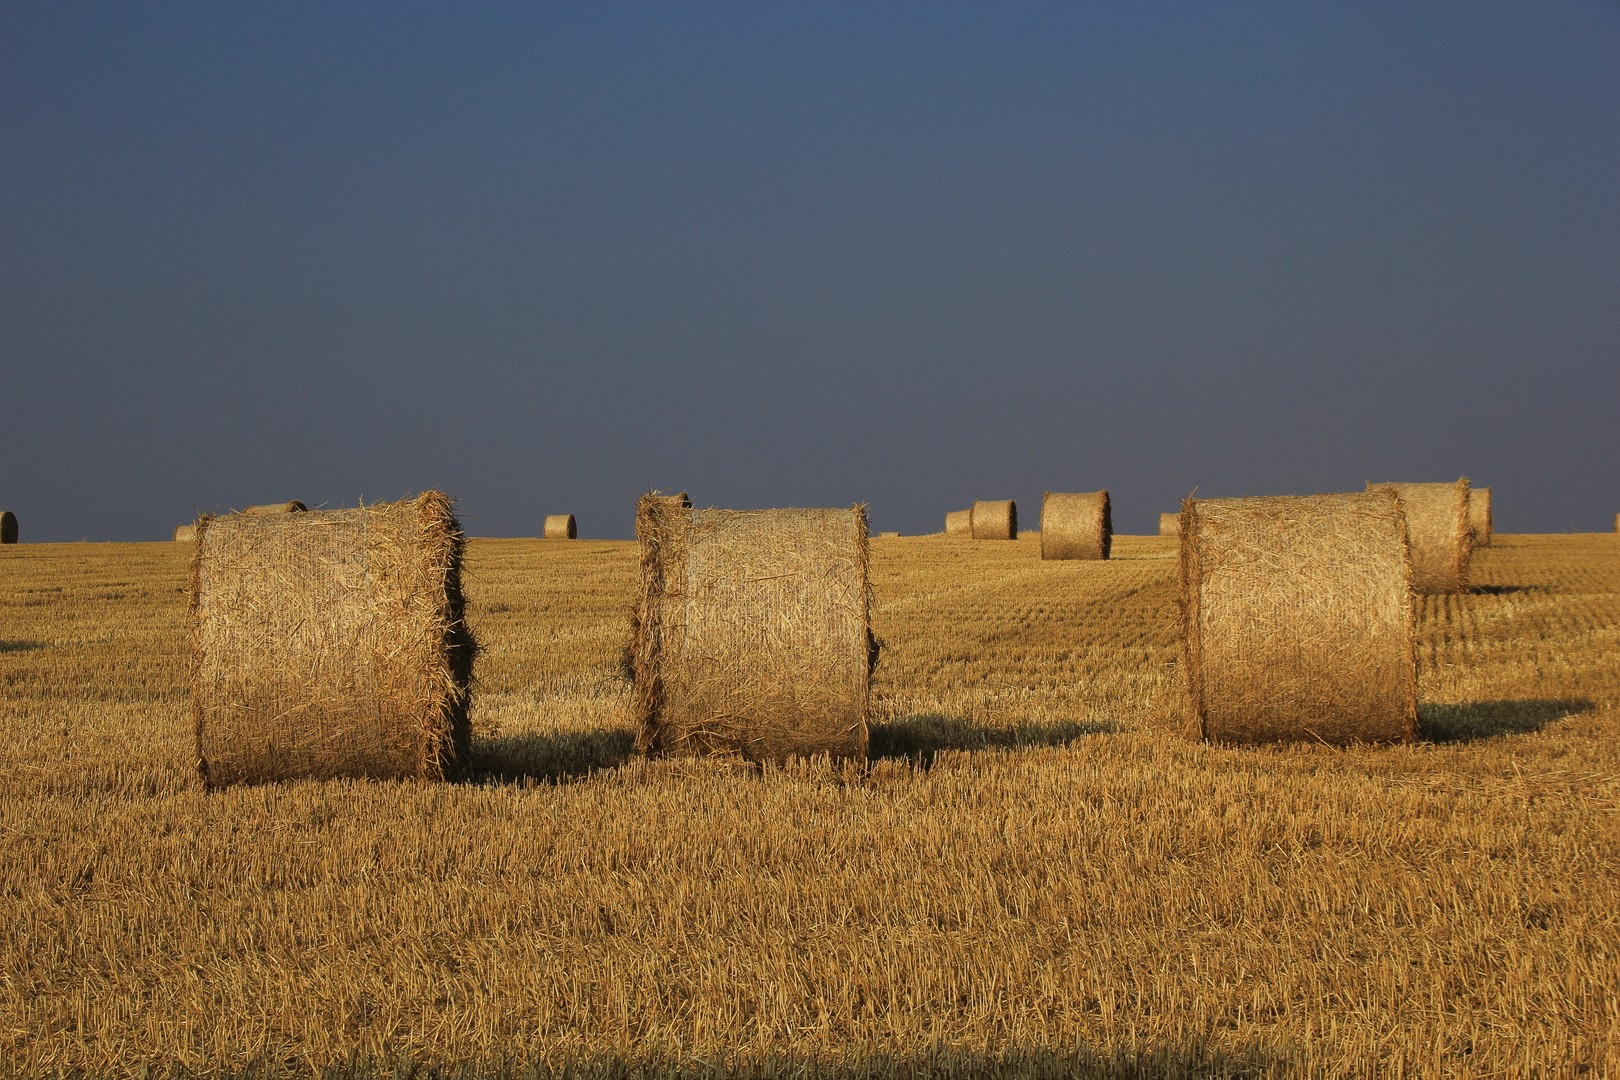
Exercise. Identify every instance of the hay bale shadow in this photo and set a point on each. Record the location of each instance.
(20, 646)
(921, 737)
(1502, 590)
(549, 759)
(1474, 720)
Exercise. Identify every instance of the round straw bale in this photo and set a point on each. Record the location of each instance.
(994, 520)
(8, 527)
(752, 635)
(1076, 525)
(293, 507)
(888, 536)
(1479, 515)
(560, 527)
(959, 523)
(185, 534)
(1437, 529)
(331, 644)
(1169, 524)
(1297, 619)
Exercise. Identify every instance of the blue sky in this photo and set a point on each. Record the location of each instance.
(548, 256)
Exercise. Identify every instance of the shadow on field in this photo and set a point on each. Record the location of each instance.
(1501, 590)
(20, 646)
(549, 759)
(919, 738)
(1489, 719)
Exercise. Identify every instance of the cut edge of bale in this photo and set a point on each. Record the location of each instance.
(8, 527)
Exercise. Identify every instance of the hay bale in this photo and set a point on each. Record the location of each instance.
(560, 527)
(293, 507)
(1437, 530)
(995, 520)
(888, 536)
(959, 523)
(1297, 619)
(1169, 524)
(331, 644)
(1479, 515)
(8, 527)
(752, 636)
(185, 534)
(1076, 526)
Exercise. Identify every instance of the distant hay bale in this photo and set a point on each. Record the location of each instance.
(1479, 515)
(185, 534)
(1076, 525)
(1169, 524)
(994, 520)
(8, 527)
(331, 644)
(1297, 620)
(1437, 530)
(959, 523)
(560, 527)
(752, 635)
(293, 507)
(888, 536)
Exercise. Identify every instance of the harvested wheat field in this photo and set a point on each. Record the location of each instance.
(1036, 875)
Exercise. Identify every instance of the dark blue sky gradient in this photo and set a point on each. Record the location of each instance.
(547, 256)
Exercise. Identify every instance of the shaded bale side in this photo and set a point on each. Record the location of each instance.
(752, 633)
(1297, 620)
(1076, 525)
(994, 520)
(1479, 515)
(1169, 524)
(8, 527)
(1437, 530)
(959, 523)
(185, 534)
(293, 507)
(331, 644)
(560, 527)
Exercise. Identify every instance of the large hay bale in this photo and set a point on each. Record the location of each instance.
(293, 507)
(185, 534)
(331, 644)
(1169, 524)
(1076, 525)
(959, 523)
(1297, 619)
(1437, 530)
(994, 520)
(752, 636)
(560, 527)
(1479, 515)
(8, 527)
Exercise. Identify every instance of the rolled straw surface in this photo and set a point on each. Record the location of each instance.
(560, 527)
(959, 523)
(1169, 524)
(994, 520)
(185, 534)
(1297, 620)
(1076, 525)
(331, 644)
(1479, 515)
(1437, 530)
(293, 507)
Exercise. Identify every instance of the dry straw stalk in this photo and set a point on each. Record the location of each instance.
(752, 636)
(331, 644)
(995, 520)
(1297, 620)
(293, 507)
(1169, 524)
(8, 527)
(1479, 515)
(1076, 525)
(959, 523)
(560, 527)
(1437, 529)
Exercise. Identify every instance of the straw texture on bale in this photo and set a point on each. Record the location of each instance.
(1076, 525)
(1297, 620)
(560, 527)
(1438, 533)
(293, 507)
(185, 534)
(888, 536)
(752, 636)
(1169, 524)
(8, 527)
(331, 644)
(959, 523)
(1479, 515)
(995, 520)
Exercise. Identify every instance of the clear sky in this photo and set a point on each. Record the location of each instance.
(547, 256)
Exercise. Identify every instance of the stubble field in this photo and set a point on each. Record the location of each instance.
(1037, 875)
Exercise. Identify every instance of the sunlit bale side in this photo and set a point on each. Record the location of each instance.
(752, 634)
(1169, 524)
(1297, 620)
(959, 523)
(185, 534)
(560, 527)
(291, 507)
(994, 520)
(331, 644)
(1076, 525)
(1479, 515)
(1437, 531)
